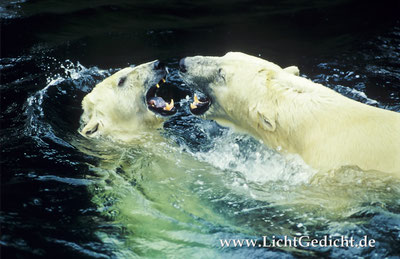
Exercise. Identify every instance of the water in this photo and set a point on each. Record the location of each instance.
(193, 183)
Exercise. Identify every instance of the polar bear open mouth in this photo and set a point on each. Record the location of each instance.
(156, 103)
(200, 104)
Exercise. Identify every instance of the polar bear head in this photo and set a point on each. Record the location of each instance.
(126, 103)
(236, 87)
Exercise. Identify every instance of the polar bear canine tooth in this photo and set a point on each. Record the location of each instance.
(169, 106)
(196, 100)
(161, 81)
(193, 105)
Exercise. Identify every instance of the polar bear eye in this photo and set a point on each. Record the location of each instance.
(121, 81)
(221, 73)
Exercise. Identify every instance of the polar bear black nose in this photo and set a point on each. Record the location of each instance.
(159, 65)
(182, 66)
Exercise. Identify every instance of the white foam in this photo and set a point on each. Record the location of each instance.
(254, 161)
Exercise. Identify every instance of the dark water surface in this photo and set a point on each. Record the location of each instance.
(67, 197)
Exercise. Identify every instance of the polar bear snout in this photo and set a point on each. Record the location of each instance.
(158, 65)
(196, 71)
(199, 66)
(182, 66)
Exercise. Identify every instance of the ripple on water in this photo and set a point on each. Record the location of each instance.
(201, 183)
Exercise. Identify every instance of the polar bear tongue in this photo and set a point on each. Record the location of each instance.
(159, 103)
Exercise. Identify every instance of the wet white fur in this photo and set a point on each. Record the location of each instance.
(295, 115)
(120, 112)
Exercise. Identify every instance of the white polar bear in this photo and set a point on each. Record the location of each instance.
(294, 114)
(125, 104)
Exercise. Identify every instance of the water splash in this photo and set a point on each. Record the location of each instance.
(253, 160)
(72, 76)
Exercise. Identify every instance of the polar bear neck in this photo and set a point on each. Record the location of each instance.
(308, 113)
(301, 104)
(290, 102)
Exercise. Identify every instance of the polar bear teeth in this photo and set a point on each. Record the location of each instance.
(193, 106)
(196, 102)
(159, 103)
(169, 106)
(156, 103)
(162, 80)
(196, 99)
(198, 107)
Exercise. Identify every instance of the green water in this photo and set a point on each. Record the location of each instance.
(183, 189)
(169, 202)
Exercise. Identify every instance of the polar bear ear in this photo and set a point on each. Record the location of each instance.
(266, 121)
(90, 128)
(293, 70)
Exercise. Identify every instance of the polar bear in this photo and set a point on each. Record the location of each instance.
(293, 114)
(126, 103)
